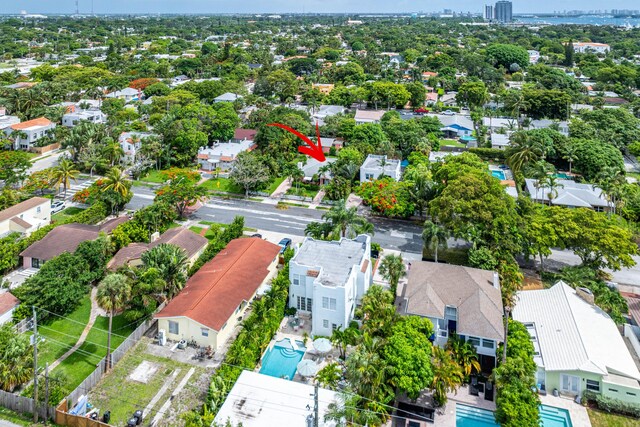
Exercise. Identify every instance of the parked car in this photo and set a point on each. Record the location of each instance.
(57, 206)
(284, 244)
(258, 235)
(421, 111)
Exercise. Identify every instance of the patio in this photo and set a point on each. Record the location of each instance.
(446, 416)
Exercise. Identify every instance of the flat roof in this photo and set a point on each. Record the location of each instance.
(258, 400)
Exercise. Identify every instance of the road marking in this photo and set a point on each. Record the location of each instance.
(262, 214)
(394, 233)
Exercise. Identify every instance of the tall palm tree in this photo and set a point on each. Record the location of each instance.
(447, 374)
(346, 222)
(611, 181)
(63, 173)
(329, 376)
(464, 354)
(434, 236)
(570, 154)
(392, 268)
(113, 294)
(171, 262)
(116, 180)
(343, 338)
(550, 182)
(113, 152)
(522, 151)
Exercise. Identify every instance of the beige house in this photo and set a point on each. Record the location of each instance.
(26, 217)
(215, 299)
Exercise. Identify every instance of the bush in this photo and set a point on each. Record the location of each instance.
(489, 154)
(232, 231)
(608, 404)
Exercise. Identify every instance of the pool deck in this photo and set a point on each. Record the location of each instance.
(579, 414)
(446, 417)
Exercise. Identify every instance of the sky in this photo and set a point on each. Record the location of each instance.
(297, 6)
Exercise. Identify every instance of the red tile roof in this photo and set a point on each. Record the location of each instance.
(42, 121)
(241, 134)
(212, 295)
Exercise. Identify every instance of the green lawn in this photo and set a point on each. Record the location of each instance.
(154, 176)
(195, 229)
(304, 190)
(274, 184)
(66, 213)
(65, 332)
(452, 143)
(222, 184)
(14, 417)
(604, 419)
(81, 363)
(122, 396)
(174, 225)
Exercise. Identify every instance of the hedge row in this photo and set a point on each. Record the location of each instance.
(608, 404)
(218, 243)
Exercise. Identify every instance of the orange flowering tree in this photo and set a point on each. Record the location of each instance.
(387, 197)
(142, 83)
(174, 174)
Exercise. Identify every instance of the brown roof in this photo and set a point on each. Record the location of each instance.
(212, 295)
(126, 254)
(431, 287)
(21, 222)
(184, 238)
(8, 302)
(249, 134)
(67, 237)
(633, 301)
(41, 121)
(21, 207)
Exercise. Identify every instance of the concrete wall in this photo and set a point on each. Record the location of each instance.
(633, 334)
(32, 216)
(189, 330)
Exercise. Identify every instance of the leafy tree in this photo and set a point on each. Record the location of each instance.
(447, 375)
(13, 166)
(388, 197)
(568, 53)
(392, 268)
(418, 94)
(171, 263)
(248, 172)
(113, 293)
(506, 54)
(16, 358)
(181, 194)
(96, 253)
(544, 103)
(473, 94)
(593, 156)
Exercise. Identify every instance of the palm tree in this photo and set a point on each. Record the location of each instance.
(464, 353)
(171, 262)
(434, 237)
(115, 180)
(611, 181)
(570, 154)
(447, 375)
(63, 173)
(113, 152)
(346, 222)
(392, 268)
(551, 183)
(342, 338)
(522, 151)
(113, 294)
(329, 376)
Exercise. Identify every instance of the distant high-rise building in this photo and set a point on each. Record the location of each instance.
(504, 11)
(488, 12)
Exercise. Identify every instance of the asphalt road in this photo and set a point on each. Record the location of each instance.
(47, 161)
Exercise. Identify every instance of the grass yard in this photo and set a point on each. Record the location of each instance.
(304, 190)
(14, 417)
(274, 184)
(195, 229)
(66, 213)
(285, 205)
(65, 332)
(81, 363)
(605, 419)
(154, 176)
(174, 225)
(121, 395)
(222, 184)
(452, 143)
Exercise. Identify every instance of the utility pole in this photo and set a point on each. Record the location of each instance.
(35, 365)
(46, 393)
(315, 406)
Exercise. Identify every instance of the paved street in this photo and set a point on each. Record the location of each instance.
(46, 161)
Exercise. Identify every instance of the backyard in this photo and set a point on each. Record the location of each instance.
(145, 381)
(66, 213)
(605, 419)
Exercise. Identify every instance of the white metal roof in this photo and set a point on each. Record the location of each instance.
(574, 335)
(258, 400)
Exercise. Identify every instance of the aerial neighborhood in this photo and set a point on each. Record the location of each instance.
(213, 219)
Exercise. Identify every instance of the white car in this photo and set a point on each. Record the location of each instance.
(57, 206)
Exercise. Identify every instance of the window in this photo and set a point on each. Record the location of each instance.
(301, 303)
(325, 323)
(593, 385)
(450, 313)
(368, 176)
(613, 390)
(35, 263)
(442, 333)
(474, 340)
(296, 279)
(308, 304)
(334, 326)
(487, 343)
(38, 209)
(174, 327)
(205, 332)
(329, 303)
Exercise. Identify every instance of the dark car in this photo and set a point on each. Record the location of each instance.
(258, 235)
(284, 244)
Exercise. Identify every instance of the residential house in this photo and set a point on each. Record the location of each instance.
(328, 279)
(436, 156)
(495, 124)
(577, 345)
(191, 243)
(128, 94)
(368, 116)
(5, 120)
(591, 47)
(324, 88)
(561, 126)
(329, 143)
(311, 170)
(223, 154)
(500, 141)
(131, 142)
(375, 166)
(448, 99)
(534, 56)
(74, 117)
(569, 194)
(458, 300)
(325, 111)
(455, 126)
(227, 97)
(215, 298)
(8, 303)
(29, 132)
(25, 217)
(258, 400)
(65, 238)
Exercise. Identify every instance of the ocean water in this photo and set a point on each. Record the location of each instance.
(581, 20)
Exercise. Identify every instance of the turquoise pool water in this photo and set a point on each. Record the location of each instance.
(468, 416)
(498, 174)
(562, 175)
(281, 360)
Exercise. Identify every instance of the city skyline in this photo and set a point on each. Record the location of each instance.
(288, 6)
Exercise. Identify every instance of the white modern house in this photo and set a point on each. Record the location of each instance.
(29, 132)
(577, 345)
(25, 217)
(128, 94)
(455, 125)
(375, 165)
(223, 154)
(227, 97)
(568, 193)
(6, 120)
(73, 118)
(328, 279)
(131, 142)
(462, 300)
(586, 47)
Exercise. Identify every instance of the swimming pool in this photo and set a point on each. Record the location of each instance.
(562, 175)
(498, 174)
(468, 416)
(281, 360)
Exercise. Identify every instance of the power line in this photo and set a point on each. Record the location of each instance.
(79, 323)
(72, 336)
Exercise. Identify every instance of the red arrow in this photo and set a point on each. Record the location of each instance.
(312, 150)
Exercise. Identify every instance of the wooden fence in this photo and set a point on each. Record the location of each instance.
(63, 418)
(23, 405)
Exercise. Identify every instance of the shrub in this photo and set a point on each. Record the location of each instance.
(232, 231)
(608, 404)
